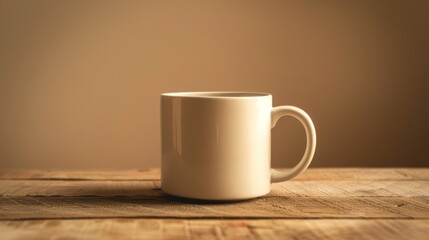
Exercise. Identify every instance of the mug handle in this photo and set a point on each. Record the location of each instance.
(276, 114)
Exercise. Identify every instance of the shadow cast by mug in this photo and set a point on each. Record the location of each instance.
(133, 190)
(144, 194)
(203, 201)
(100, 189)
(122, 192)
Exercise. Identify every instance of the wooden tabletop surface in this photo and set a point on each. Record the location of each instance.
(358, 203)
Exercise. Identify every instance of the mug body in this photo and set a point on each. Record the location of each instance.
(216, 145)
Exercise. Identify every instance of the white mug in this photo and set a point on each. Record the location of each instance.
(217, 145)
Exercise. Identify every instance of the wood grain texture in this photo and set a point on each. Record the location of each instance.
(215, 229)
(166, 207)
(334, 174)
(74, 175)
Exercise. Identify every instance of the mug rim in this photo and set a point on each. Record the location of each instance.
(217, 94)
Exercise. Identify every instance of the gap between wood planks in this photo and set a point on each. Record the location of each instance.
(214, 218)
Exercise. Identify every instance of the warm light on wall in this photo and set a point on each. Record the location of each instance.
(80, 81)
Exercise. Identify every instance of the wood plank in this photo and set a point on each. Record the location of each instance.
(311, 174)
(80, 188)
(374, 174)
(120, 175)
(152, 188)
(162, 207)
(215, 229)
(363, 188)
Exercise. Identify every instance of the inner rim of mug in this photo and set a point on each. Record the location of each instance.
(221, 94)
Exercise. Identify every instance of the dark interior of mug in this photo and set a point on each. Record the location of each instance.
(216, 94)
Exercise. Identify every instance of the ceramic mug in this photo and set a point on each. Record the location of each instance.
(217, 145)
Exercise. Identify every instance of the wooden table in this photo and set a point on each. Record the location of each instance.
(321, 203)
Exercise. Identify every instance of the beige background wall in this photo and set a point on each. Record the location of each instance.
(80, 80)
